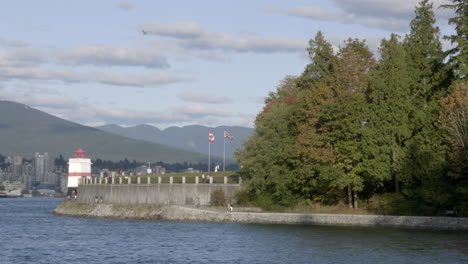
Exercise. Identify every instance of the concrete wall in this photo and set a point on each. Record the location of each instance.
(162, 194)
(181, 213)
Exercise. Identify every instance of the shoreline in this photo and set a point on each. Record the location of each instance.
(184, 213)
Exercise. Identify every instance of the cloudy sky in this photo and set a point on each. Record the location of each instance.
(173, 63)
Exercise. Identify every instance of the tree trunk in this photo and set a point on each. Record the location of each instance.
(355, 200)
(397, 184)
(350, 197)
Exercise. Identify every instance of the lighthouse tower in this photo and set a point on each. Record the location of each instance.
(78, 167)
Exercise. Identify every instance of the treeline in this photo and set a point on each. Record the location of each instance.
(127, 165)
(389, 133)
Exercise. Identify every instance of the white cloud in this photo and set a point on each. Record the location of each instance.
(22, 57)
(27, 63)
(317, 13)
(403, 9)
(12, 43)
(88, 113)
(125, 5)
(107, 55)
(197, 111)
(104, 77)
(187, 30)
(193, 36)
(203, 98)
(381, 14)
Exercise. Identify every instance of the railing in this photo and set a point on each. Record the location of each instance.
(161, 180)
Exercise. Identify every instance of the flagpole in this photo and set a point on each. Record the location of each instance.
(209, 153)
(224, 151)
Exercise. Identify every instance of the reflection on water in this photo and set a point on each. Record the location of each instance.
(31, 234)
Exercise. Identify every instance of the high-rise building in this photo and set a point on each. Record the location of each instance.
(16, 168)
(41, 168)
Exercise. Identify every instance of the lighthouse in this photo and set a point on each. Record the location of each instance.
(78, 167)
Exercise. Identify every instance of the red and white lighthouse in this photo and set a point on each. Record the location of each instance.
(78, 167)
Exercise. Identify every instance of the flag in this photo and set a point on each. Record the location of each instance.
(227, 135)
(211, 137)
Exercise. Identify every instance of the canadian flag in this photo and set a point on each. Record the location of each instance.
(211, 137)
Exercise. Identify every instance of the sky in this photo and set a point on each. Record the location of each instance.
(175, 63)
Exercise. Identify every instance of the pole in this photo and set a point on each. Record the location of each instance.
(209, 153)
(224, 151)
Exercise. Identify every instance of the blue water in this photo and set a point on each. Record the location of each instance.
(29, 233)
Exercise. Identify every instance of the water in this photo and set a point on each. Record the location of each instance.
(29, 233)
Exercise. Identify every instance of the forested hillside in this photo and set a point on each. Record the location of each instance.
(387, 132)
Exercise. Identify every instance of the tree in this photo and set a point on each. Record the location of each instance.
(423, 169)
(267, 157)
(454, 119)
(342, 119)
(312, 171)
(459, 54)
(321, 55)
(388, 126)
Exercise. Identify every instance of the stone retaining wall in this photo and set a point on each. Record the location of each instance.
(182, 213)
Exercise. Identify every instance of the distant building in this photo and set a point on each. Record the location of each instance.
(159, 170)
(16, 168)
(78, 167)
(42, 169)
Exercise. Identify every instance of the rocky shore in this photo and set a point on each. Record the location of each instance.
(184, 213)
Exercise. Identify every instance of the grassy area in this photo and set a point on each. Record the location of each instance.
(81, 208)
(315, 208)
(135, 207)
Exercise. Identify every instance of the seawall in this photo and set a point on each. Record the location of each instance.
(185, 213)
(157, 194)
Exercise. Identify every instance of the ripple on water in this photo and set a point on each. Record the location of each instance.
(34, 235)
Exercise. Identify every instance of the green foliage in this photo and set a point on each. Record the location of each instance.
(217, 198)
(242, 197)
(459, 54)
(398, 204)
(266, 202)
(352, 125)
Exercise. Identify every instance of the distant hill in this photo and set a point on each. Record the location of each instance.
(25, 130)
(193, 138)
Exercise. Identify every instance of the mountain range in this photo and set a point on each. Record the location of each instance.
(25, 130)
(191, 138)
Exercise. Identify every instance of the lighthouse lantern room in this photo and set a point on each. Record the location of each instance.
(78, 167)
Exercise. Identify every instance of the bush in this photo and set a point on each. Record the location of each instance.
(397, 204)
(217, 198)
(242, 197)
(265, 201)
(387, 203)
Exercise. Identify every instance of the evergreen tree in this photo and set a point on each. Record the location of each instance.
(423, 169)
(343, 118)
(459, 54)
(321, 55)
(388, 126)
(312, 171)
